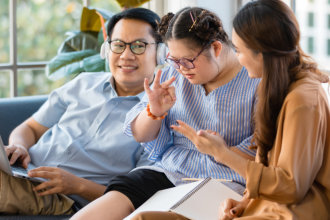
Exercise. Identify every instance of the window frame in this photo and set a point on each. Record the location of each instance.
(14, 66)
(159, 6)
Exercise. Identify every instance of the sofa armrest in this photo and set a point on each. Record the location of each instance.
(14, 111)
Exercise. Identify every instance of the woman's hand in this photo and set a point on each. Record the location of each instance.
(231, 209)
(206, 141)
(162, 96)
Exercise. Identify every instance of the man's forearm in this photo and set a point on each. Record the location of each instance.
(90, 190)
(22, 135)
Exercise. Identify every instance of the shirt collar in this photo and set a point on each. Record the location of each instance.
(109, 85)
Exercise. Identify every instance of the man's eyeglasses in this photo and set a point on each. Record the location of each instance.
(186, 63)
(137, 47)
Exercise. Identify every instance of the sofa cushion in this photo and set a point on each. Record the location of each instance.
(14, 111)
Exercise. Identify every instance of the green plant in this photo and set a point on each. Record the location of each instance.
(80, 51)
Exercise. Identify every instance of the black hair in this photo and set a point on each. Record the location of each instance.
(142, 14)
(197, 24)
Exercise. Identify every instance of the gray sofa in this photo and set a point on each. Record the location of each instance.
(14, 111)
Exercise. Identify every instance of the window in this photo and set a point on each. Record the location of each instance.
(4, 33)
(314, 41)
(310, 46)
(31, 31)
(30, 35)
(108, 5)
(4, 83)
(26, 47)
(328, 52)
(311, 19)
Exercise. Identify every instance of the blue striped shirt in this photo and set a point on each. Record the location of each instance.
(226, 110)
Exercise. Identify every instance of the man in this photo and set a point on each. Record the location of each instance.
(76, 137)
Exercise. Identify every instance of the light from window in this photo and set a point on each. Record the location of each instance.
(108, 5)
(5, 83)
(42, 26)
(4, 32)
(311, 19)
(310, 46)
(40, 30)
(33, 81)
(314, 40)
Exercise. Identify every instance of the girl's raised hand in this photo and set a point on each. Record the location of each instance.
(161, 96)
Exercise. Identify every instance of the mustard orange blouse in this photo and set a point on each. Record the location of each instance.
(296, 184)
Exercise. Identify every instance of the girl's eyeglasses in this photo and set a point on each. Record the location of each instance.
(186, 63)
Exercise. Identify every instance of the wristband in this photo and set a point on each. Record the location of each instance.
(154, 117)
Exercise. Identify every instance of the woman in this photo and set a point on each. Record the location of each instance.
(212, 92)
(290, 177)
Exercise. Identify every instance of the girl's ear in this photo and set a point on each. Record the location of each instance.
(217, 47)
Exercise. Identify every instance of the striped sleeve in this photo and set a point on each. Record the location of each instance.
(164, 139)
(244, 146)
(156, 147)
(132, 114)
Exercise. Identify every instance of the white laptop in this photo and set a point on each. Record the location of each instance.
(14, 170)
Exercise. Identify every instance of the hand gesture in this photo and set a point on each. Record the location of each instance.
(162, 96)
(231, 209)
(60, 181)
(18, 153)
(206, 141)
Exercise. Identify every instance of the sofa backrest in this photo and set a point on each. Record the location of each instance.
(14, 111)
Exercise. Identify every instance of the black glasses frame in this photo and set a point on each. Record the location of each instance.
(130, 46)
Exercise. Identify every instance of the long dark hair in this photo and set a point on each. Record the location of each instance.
(270, 27)
(198, 25)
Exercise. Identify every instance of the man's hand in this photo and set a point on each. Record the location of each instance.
(18, 153)
(59, 181)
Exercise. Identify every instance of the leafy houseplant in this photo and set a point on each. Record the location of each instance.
(80, 51)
